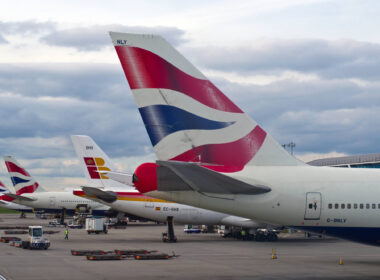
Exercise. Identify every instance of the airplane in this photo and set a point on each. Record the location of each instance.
(31, 194)
(128, 200)
(6, 202)
(214, 156)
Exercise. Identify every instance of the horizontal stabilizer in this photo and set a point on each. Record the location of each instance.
(120, 177)
(182, 176)
(106, 196)
(19, 197)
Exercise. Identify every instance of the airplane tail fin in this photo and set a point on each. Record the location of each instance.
(22, 181)
(3, 188)
(186, 116)
(94, 161)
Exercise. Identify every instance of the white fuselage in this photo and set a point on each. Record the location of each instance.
(300, 196)
(155, 209)
(58, 200)
(14, 206)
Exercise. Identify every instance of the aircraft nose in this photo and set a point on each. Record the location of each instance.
(145, 177)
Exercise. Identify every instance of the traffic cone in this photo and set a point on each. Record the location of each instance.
(340, 261)
(274, 255)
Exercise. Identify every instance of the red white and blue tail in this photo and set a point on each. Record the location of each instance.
(186, 116)
(3, 188)
(21, 179)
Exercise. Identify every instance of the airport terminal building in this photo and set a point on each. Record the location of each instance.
(357, 161)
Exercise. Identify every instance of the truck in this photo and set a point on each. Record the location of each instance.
(36, 240)
(96, 225)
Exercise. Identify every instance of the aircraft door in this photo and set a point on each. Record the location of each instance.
(149, 205)
(52, 202)
(313, 206)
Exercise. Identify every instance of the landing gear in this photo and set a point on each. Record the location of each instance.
(22, 215)
(265, 236)
(62, 216)
(259, 235)
(169, 236)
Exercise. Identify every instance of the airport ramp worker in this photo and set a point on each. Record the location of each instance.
(66, 233)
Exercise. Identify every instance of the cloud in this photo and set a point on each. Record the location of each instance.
(95, 37)
(26, 27)
(313, 156)
(42, 105)
(3, 40)
(49, 102)
(328, 59)
(320, 115)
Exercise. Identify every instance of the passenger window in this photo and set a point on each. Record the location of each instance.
(378, 206)
(310, 206)
(356, 206)
(349, 206)
(367, 206)
(361, 205)
(330, 206)
(342, 206)
(336, 205)
(373, 206)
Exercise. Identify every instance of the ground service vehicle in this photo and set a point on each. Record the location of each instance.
(96, 225)
(36, 240)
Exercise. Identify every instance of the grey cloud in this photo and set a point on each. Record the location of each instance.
(96, 37)
(41, 105)
(88, 82)
(320, 116)
(47, 101)
(329, 59)
(26, 27)
(3, 40)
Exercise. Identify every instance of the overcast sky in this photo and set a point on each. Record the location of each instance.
(306, 71)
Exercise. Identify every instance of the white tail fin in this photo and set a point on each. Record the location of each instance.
(94, 161)
(22, 181)
(186, 116)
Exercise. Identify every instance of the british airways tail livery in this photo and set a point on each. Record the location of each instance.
(3, 189)
(186, 116)
(6, 201)
(212, 155)
(22, 181)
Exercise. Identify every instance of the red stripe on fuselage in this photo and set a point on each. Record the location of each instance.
(145, 69)
(227, 157)
(14, 168)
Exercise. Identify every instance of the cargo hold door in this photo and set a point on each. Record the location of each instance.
(313, 206)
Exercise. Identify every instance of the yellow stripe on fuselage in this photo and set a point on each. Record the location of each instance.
(133, 199)
(143, 199)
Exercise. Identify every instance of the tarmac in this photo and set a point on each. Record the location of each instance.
(202, 256)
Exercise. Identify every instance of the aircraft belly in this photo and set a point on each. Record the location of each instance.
(160, 211)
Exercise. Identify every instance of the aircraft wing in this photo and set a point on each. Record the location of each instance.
(19, 197)
(120, 177)
(106, 196)
(181, 176)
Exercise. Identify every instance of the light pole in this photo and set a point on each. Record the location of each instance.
(291, 145)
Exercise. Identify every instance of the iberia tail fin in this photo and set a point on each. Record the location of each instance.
(186, 116)
(95, 163)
